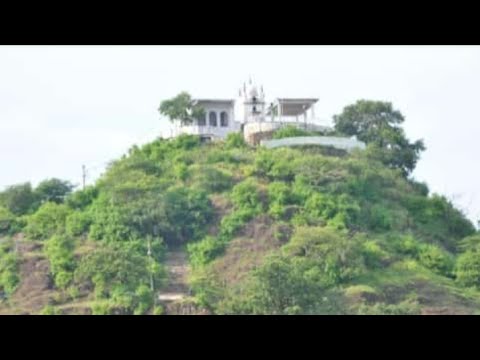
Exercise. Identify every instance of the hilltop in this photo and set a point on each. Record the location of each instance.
(300, 230)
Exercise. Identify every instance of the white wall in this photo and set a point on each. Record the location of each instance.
(217, 131)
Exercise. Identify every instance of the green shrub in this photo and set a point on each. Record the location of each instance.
(185, 142)
(110, 221)
(436, 259)
(181, 171)
(403, 308)
(204, 251)
(48, 220)
(246, 195)
(467, 269)
(231, 223)
(9, 272)
(374, 255)
(101, 308)
(188, 211)
(59, 252)
(279, 196)
(158, 310)
(211, 179)
(73, 292)
(470, 243)
(144, 299)
(327, 253)
(78, 223)
(408, 245)
(235, 140)
(291, 131)
(50, 310)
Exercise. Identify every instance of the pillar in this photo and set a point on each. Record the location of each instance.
(279, 110)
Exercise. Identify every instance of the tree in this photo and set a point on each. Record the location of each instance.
(6, 220)
(377, 124)
(181, 108)
(54, 190)
(113, 266)
(48, 220)
(19, 199)
(59, 251)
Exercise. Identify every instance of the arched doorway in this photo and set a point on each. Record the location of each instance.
(223, 119)
(212, 119)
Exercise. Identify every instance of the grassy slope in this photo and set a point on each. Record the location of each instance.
(398, 280)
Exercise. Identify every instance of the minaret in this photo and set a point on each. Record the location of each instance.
(254, 103)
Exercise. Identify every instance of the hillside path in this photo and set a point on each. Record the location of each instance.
(176, 264)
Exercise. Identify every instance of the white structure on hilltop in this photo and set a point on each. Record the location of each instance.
(250, 114)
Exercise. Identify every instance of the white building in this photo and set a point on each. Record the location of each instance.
(217, 122)
(250, 113)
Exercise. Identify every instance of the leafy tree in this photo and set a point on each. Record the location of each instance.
(181, 108)
(6, 220)
(110, 267)
(79, 200)
(53, 190)
(281, 288)
(19, 199)
(377, 124)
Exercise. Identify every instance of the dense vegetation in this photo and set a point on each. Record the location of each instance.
(280, 231)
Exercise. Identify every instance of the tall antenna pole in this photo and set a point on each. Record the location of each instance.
(84, 175)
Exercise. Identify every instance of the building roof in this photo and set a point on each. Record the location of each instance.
(214, 101)
(293, 106)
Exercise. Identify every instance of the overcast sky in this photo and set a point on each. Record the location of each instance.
(64, 106)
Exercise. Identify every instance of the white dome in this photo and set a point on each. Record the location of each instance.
(253, 91)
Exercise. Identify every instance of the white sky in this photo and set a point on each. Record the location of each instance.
(64, 106)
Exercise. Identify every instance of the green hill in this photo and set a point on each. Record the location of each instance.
(302, 230)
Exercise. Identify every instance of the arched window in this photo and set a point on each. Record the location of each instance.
(202, 120)
(223, 119)
(212, 119)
